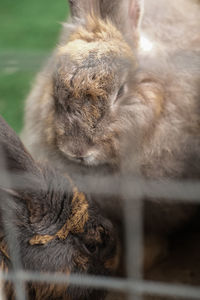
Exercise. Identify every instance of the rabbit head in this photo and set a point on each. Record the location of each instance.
(96, 92)
(59, 228)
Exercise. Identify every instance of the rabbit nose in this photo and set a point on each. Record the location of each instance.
(86, 159)
(79, 158)
(73, 154)
(85, 156)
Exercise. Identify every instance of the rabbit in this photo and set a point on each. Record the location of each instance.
(120, 95)
(59, 228)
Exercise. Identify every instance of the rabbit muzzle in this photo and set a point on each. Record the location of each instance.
(89, 157)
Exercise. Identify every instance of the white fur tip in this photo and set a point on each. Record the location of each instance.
(145, 44)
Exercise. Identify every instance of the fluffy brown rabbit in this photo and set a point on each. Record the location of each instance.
(121, 95)
(122, 91)
(59, 229)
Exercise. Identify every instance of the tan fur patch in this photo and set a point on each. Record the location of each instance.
(81, 262)
(50, 291)
(113, 262)
(98, 35)
(84, 85)
(79, 215)
(41, 239)
(3, 266)
(4, 249)
(75, 223)
(91, 115)
(49, 133)
(101, 39)
(151, 92)
(5, 286)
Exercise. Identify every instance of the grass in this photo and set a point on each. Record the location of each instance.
(29, 31)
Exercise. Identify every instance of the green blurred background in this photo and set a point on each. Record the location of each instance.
(29, 31)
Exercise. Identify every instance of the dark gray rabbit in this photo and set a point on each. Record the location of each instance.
(59, 228)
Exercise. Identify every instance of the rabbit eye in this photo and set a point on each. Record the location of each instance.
(91, 248)
(121, 91)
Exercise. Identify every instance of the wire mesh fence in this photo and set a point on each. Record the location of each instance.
(133, 191)
(134, 285)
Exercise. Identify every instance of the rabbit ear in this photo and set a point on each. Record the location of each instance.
(126, 15)
(109, 9)
(21, 178)
(14, 157)
(135, 12)
(81, 8)
(127, 18)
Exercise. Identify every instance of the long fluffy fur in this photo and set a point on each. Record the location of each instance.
(151, 128)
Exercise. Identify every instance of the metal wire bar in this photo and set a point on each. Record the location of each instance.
(133, 189)
(180, 191)
(97, 282)
(134, 236)
(28, 60)
(133, 285)
(2, 296)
